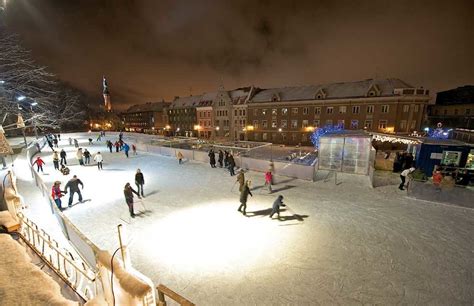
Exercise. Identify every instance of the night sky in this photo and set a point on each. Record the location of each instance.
(151, 50)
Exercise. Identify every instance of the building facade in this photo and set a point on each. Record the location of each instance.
(205, 121)
(182, 119)
(453, 108)
(150, 117)
(289, 115)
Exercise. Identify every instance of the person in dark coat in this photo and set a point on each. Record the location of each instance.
(55, 142)
(408, 161)
(244, 194)
(231, 165)
(63, 155)
(76, 143)
(73, 186)
(50, 144)
(212, 158)
(87, 157)
(117, 146)
(139, 181)
(226, 159)
(276, 206)
(221, 158)
(109, 145)
(128, 192)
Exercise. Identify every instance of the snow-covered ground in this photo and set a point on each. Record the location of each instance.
(355, 245)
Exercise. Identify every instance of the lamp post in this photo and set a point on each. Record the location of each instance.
(217, 131)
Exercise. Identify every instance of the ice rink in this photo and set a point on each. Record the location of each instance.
(352, 244)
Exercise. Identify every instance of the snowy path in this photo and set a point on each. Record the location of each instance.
(357, 245)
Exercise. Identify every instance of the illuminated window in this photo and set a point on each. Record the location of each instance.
(274, 124)
(264, 124)
(342, 109)
(382, 124)
(274, 111)
(294, 110)
(294, 124)
(305, 110)
(354, 124)
(368, 124)
(305, 123)
(284, 111)
(284, 124)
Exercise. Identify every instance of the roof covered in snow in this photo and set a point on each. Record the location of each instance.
(382, 87)
(186, 102)
(148, 107)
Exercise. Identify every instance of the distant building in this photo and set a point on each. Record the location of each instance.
(454, 108)
(290, 114)
(150, 117)
(106, 94)
(182, 117)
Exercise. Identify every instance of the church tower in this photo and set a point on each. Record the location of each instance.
(106, 93)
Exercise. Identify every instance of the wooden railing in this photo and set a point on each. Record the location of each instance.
(165, 291)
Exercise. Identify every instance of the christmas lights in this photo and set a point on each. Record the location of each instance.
(393, 139)
(322, 131)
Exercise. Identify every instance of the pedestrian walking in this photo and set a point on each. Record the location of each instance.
(59, 137)
(73, 185)
(63, 156)
(179, 156)
(241, 179)
(55, 142)
(128, 192)
(70, 141)
(109, 145)
(50, 144)
(56, 160)
(79, 157)
(244, 194)
(90, 141)
(99, 137)
(231, 165)
(139, 181)
(220, 158)
(403, 177)
(39, 164)
(226, 159)
(76, 143)
(126, 148)
(99, 159)
(117, 146)
(87, 157)
(121, 136)
(57, 193)
(134, 149)
(276, 206)
(212, 158)
(268, 180)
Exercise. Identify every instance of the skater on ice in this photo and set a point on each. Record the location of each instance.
(128, 192)
(99, 159)
(63, 156)
(39, 164)
(212, 158)
(139, 181)
(73, 185)
(56, 160)
(243, 198)
(241, 179)
(276, 206)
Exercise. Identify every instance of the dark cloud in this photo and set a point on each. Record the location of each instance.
(154, 49)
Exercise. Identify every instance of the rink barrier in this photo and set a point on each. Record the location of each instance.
(456, 195)
(87, 252)
(164, 292)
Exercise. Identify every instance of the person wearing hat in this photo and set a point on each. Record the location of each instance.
(241, 179)
(128, 192)
(57, 193)
(276, 206)
(244, 194)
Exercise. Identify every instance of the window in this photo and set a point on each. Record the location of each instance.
(240, 112)
(294, 124)
(274, 111)
(368, 124)
(284, 111)
(264, 136)
(293, 137)
(445, 112)
(284, 124)
(283, 136)
(403, 124)
(329, 109)
(257, 136)
(456, 111)
(274, 124)
(255, 112)
(264, 111)
(243, 112)
(304, 137)
(370, 109)
(264, 124)
(467, 111)
(316, 123)
(354, 124)
(385, 108)
(382, 124)
(305, 110)
(413, 125)
(340, 123)
(274, 137)
(416, 108)
(406, 108)
(305, 123)
(235, 112)
(342, 109)
(294, 110)
(329, 122)
(355, 109)
(317, 110)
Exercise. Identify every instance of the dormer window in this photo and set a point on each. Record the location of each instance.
(320, 94)
(373, 91)
(275, 97)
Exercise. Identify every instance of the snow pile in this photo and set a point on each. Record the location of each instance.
(6, 220)
(130, 283)
(19, 279)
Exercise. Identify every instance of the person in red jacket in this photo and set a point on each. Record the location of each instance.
(268, 180)
(39, 164)
(57, 193)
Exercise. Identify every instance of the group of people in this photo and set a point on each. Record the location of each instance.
(72, 185)
(225, 159)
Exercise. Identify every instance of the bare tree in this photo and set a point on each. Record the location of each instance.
(29, 89)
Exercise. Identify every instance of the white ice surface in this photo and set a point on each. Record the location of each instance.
(358, 245)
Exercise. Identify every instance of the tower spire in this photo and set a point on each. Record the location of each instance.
(106, 93)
